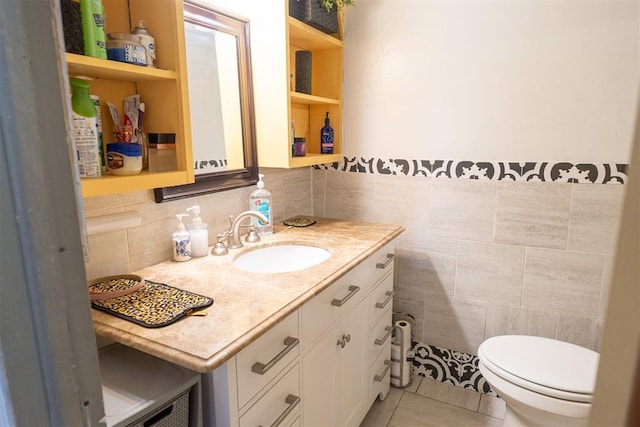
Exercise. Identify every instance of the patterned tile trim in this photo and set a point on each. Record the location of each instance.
(589, 173)
(451, 367)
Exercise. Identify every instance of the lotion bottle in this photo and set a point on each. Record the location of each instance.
(260, 201)
(181, 241)
(198, 233)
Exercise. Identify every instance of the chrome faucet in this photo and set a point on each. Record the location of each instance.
(233, 236)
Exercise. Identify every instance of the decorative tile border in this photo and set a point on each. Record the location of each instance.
(589, 173)
(208, 166)
(451, 367)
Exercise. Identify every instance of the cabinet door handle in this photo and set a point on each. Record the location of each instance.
(261, 368)
(292, 401)
(387, 366)
(384, 303)
(380, 341)
(383, 265)
(340, 302)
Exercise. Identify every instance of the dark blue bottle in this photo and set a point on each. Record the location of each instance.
(326, 137)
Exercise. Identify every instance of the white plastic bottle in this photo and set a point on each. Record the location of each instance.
(198, 233)
(181, 241)
(260, 201)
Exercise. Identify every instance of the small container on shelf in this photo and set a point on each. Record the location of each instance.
(124, 158)
(299, 147)
(162, 152)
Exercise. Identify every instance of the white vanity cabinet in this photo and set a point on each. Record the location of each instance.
(322, 365)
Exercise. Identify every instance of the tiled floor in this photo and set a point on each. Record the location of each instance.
(428, 402)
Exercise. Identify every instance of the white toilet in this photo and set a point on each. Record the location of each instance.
(544, 382)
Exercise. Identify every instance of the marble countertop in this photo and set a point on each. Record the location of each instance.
(246, 305)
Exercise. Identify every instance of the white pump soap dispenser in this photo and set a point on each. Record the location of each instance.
(181, 241)
(198, 233)
(260, 201)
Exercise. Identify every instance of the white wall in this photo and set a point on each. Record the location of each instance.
(503, 80)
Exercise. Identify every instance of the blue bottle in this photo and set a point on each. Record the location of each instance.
(326, 137)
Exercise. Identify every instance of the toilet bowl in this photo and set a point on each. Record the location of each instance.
(544, 382)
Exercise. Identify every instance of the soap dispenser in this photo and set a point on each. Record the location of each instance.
(198, 233)
(260, 201)
(181, 241)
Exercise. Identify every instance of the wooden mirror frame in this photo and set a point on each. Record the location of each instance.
(230, 179)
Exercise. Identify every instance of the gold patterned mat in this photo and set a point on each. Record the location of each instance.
(152, 306)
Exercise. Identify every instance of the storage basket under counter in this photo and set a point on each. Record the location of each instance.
(142, 390)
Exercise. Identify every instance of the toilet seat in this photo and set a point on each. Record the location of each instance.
(553, 368)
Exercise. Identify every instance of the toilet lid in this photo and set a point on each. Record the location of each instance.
(544, 362)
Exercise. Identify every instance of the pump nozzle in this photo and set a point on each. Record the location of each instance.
(260, 183)
(180, 226)
(195, 210)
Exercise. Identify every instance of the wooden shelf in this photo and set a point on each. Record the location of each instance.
(306, 37)
(303, 98)
(145, 180)
(87, 65)
(314, 159)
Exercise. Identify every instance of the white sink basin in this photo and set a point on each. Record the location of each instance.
(281, 258)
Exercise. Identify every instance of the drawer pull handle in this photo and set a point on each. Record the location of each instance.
(380, 341)
(340, 302)
(383, 265)
(261, 368)
(292, 401)
(384, 303)
(387, 366)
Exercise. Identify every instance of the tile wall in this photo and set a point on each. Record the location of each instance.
(488, 257)
(130, 249)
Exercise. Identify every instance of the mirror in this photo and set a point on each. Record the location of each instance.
(221, 104)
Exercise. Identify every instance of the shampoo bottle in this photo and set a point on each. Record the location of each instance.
(260, 201)
(198, 233)
(181, 241)
(88, 147)
(92, 15)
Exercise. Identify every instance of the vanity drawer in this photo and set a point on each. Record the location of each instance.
(326, 308)
(382, 261)
(280, 405)
(380, 336)
(380, 299)
(267, 356)
(379, 379)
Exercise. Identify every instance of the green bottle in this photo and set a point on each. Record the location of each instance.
(85, 129)
(93, 34)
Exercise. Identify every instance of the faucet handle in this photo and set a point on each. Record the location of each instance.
(252, 235)
(219, 248)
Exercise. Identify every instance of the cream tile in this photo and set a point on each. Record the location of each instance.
(532, 214)
(416, 380)
(566, 282)
(579, 331)
(492, 406)
(150, 243)
(448, 393)
(416, 410)
(119, 200)
(462, 209)
(349, 195)
(607, 279)
(402, 200)
(108, 255)
(413, 302)
(454, 323)
(381, 411)
(596, 211)
(490, 272)
(502, 320)
(319, 178)
(291, 193)
(429, 267)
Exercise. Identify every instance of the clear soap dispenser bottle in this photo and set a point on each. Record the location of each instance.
(198, 233)
(260, 201)
(181, 241)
